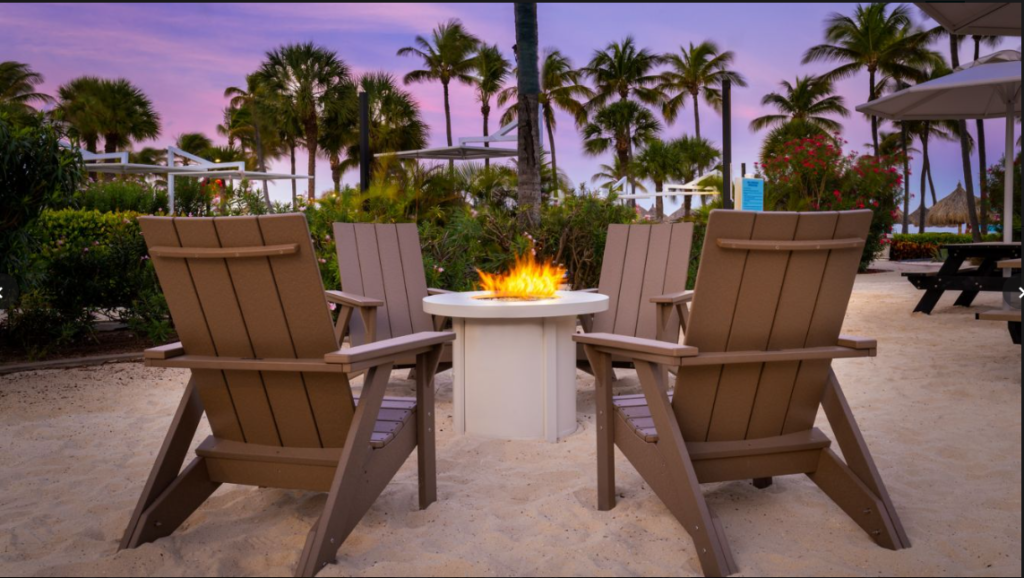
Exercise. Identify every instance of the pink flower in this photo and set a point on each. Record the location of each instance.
(332, 306)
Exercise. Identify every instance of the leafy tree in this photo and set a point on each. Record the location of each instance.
(620, 127)
(809, 99)
(660, 162)
(492, 69)
(18, 92)
(697, 73)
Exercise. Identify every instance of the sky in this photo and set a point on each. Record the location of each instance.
(184, 56)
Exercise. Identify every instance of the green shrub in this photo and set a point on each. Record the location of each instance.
(927, 245)
(122, 195)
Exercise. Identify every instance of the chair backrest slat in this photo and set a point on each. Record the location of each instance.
(748, 299)
(642, 262)
(384, 262)
(259, 307)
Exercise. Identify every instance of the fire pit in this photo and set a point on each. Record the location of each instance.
(514, 359)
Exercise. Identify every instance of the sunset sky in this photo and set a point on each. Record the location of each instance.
(183, 57)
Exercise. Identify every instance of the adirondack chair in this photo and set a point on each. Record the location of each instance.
(644, 275)
(248, 303)
(383, 279)
(765, 323)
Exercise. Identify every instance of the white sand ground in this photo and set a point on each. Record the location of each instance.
(940, 408)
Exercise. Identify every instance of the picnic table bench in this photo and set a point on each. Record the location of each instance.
(1009, 316)
(970, 281)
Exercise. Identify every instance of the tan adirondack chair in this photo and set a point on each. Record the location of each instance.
(643, 264)
(765, 324)
(248, 303)
(383, 280)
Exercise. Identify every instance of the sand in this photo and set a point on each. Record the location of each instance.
(940, 408)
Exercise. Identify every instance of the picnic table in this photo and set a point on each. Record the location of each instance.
(970, 281)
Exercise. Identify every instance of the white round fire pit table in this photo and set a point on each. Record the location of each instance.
(515, 363)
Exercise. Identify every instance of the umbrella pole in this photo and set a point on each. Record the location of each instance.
(1008, 192)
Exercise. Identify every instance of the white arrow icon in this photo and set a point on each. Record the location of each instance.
(1021, 292)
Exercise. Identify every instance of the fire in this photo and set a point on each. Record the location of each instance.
(527, 281)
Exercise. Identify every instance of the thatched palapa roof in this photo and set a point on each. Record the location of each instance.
(951, 211)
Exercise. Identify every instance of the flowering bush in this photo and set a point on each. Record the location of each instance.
(814, 174)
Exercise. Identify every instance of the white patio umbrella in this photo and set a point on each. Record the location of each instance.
(980, 18)
(981, 91)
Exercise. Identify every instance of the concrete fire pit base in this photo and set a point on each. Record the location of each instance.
(515, 363)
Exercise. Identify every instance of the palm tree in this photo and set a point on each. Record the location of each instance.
(528, 165)
(395, 124)
(810, 99)
(492, 69)
(611, 175)
(79, 109)
(252, 114)
(305, 76)
(660, 162)
(879, 40)
(18, 85)
(622, 70)
(448, 55)
(697, 154)
(195, 143)
(620, 127)
(562, 89)
(697, 73)
(126, 115)
(988, 42)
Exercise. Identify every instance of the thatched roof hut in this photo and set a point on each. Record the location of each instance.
(951, 211)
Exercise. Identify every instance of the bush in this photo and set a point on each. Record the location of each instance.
(927, 245)
(122, 195)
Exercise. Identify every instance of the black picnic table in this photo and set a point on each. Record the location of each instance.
(971, 281)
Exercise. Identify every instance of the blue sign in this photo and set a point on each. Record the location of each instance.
(753, 195)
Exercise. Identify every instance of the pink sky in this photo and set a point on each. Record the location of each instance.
(184, 56)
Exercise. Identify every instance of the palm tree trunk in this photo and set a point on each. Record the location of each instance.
(336, 172)
(982, 155)
(874, 119)
(448, 124)
(312, 134)
(486, 111)
(965, 152)
(904, 144)
(925, 169)
(529, 115)
(261, 161)
(931, 184)
(295, 184)
(556, 184)
(696, 115)
(659, 201)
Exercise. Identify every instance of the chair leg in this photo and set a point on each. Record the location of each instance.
(857, 482)
(341, 513)
(1015, 333)
(168, 462)
(175, 505)
(601, 364)
(763, 483)
(426, 443)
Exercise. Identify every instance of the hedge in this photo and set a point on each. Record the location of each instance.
(927, 245)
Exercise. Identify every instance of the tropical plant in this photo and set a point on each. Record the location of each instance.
(810, 99)
(620, 127)
(988, 42)
(125, 116)
(492, 69)
(562, 89)
(18, 93)
(304, 77)
(697, 73)
(660, 162)
(697, 155)
(252, 121)
(529, 88)
(622, 70)
(879, 38)
(194, 143)
(79, 108)
(609, 176)
(448, 55)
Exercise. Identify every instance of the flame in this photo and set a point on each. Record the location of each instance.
(527, 281)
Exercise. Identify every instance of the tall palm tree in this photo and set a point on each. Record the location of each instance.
(561, 89)
(447, 55)
(18, 84)
(79, 109)
(878, 39)
(305, 76)
(529, 161)
(810, 99)
(253, 116)
(697, 154)
(988, 42)
(620, 127)
(395, 123)
(492, 69)
(611, 175)
(660, 162)
(126, 115)
(697, 73)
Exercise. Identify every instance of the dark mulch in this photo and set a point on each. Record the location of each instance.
(102, 343)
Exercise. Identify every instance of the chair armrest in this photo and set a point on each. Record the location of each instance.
(168, 351)
(352, 300)
(432, 292)
(593, 291)
(674, 298)
(635, 346)
(857, 343)
(388, 351)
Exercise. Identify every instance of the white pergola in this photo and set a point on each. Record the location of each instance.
(690, 189)
(199, 168)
